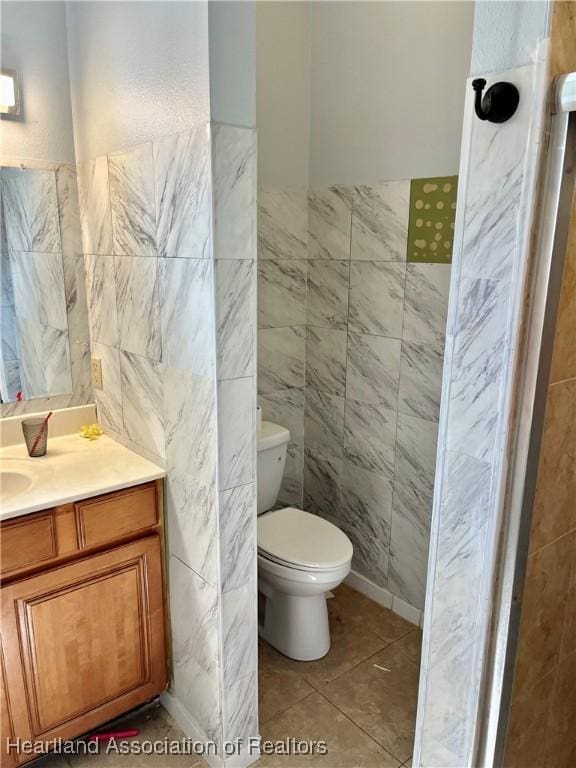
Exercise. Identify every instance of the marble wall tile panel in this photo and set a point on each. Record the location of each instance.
(241, 709)
(237, 535)
(72, 254)
(182, 172)
(286, 408)
(426, 302)
(292, 488)
(498, 202)
(76, 302)
(239, 631)
(195, 653)
(448, 735)
(327, 296)
(138, 305)
(10, 382)
(30, 210)
(322, 484)
(237, 427)
(329, 223)
(101, 299)
(44, 359)
(461, 536)
(409, 544)
(131, 176)
(81, 372)
(370, 436)
(109, 398)
(326, 360)
(282, 224)
(186, 314)
(421, 379)
(235, 317)
(380, 221)
(479, 355)
(373, 370)
(95, 215)
(189, 403)
(281, 355)
(376, 298)
(234, 191)
(416, 442)
(142, 412)
(281, 293)
(38, 282)
(324, 423)
(9, 347)
(6, 287)
(366, 518)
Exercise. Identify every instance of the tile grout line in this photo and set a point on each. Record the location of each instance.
(372, 739)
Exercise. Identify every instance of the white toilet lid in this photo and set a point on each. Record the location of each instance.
(302, 539)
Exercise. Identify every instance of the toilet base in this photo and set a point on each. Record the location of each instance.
(296, 626)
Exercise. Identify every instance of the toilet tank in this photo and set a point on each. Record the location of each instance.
(272, 448)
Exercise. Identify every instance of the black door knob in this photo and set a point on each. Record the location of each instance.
(498, 103)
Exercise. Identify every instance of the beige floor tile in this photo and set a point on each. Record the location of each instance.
(411, 645)
(375, 618)
(154, 724)
(280, 684)
(352, 643)
(51, 761)
(381, 701)
(316, 719)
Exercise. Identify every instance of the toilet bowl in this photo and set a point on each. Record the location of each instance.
(301, 557)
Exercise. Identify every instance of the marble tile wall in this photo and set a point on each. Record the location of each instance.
(283, 266)
(45, 345)
(374, 352)
(350, 347)
(169, 242)
(485, 320)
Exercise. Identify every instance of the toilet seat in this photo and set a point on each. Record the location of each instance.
(302, 541)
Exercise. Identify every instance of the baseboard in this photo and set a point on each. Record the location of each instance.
(246, 755)
(384, 597)
(189, 726)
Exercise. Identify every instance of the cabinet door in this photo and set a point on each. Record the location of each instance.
(84, 642)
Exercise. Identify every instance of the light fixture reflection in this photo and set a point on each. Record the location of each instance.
(9, 92)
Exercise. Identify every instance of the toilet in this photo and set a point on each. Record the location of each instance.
(301, 557)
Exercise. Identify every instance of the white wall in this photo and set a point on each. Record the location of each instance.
(388, 82)
(507, 33)
(34, 43)
(232, 27)
(283, 92)
(138, 70)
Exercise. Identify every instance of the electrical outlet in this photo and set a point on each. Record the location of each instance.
(97, 373)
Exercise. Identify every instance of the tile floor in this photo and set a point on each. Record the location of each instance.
(154, 724)
(360, 698)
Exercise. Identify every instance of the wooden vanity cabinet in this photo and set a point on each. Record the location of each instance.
(83, 638)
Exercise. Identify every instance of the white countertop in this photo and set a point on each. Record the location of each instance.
(74, 468)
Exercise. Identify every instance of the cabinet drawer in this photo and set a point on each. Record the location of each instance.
(27, 541)
(116, 515)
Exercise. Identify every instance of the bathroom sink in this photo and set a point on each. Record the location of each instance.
(15, 477)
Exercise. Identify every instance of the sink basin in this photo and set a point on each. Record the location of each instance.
(16, 476)
(13, 483)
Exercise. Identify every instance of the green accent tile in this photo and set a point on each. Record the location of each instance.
(431, 222)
